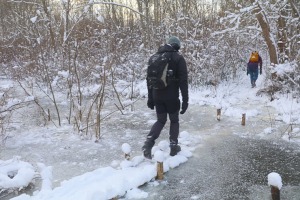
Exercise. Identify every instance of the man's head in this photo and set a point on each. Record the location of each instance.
(174, 42)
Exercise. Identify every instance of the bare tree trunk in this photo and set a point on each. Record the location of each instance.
(142, 20)
(296, 10)
(157, 12)
(52, 35)
(295, 30)
(49, 82)
(66, 7)
(79, 102)
(147, 7)
(99, 106)
(282, 39)
(2, 17)
(262, 20)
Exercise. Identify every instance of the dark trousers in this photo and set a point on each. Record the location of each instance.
(253, 75)
(163, 109)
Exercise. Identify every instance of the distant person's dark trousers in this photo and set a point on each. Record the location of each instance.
(253, 76)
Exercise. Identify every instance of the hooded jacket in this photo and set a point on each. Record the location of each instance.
(171, 92)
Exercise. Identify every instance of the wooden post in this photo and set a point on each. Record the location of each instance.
(243, 119)
(219, 114)
(127, 156)
(275, 192)
(160, 171)
(49, 118)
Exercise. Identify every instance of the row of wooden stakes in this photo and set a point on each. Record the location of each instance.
(275, 192)
(243, 116)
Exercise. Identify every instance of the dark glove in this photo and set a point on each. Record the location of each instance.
(247, 73)
(184, 107)
(150, 104)
(260, 72)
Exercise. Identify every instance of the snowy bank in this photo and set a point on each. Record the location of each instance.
(107, 182)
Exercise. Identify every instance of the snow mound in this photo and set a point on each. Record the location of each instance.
(102, 183)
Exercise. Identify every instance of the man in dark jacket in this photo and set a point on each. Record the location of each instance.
(252, 69)
(166, 101)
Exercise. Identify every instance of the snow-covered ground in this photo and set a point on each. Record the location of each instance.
(71, 168)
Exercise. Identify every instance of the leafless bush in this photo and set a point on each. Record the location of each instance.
(59, 50)
(8, 106)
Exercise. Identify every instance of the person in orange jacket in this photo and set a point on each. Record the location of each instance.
(255, 61)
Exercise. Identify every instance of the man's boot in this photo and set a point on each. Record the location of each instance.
(175, 148)
(147, 149)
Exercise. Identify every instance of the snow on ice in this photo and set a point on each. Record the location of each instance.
(102, 183)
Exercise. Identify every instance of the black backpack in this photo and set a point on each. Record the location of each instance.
(158, 73)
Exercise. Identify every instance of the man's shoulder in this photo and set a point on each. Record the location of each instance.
(179, 56)
(179, 53)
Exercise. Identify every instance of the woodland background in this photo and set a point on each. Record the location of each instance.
(79, 61)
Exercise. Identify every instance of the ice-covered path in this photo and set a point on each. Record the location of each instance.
(233, 161)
